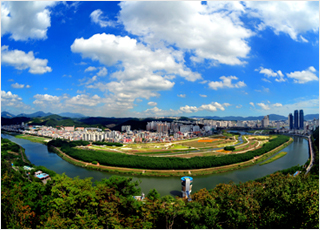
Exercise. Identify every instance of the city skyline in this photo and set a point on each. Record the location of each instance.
(144, 59)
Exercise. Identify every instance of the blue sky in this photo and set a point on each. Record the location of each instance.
(140, 59)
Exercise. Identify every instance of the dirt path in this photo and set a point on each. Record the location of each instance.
(21, 153)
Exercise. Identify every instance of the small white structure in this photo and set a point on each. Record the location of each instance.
(186, 187)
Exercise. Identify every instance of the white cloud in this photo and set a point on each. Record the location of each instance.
(252, 104)
(90, 68)
(9, 100)
(267, 72)
(290, 17)
(21, 60)
(17, 86)
(266, 80)
(25, 20)
(213, 107)
(28, 86)
(199, 25)
(304, 76)
(84, 100)
(226, 83)
(270, 73)
(96, 17)
(201, 95)
(45, 99)
(181, 95)
(135, 58)
(239, 106)
(151, 103)
(277, 105)
(142, 71)
(263, 106)
(102, 72)
(188, 109)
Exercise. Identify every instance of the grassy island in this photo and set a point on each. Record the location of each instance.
(276, 157)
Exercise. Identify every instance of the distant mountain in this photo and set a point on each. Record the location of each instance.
(36, 114)
(72, 115)
(272, 117)
(7, 114)
(311, 117)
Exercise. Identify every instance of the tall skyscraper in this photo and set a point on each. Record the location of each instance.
(290, 121)
(296, 119)
(301, 119)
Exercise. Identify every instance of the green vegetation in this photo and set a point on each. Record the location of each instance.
(276, 157)
(276, 201)
(42, 140)
(229, 148)
(107, 143)
(134, 161)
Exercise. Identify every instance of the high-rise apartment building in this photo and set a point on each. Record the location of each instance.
(301, 119)
(290, 121)
(296, 119)
(265, 122)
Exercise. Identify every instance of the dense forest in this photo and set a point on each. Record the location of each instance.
(276, 201)
(144, 162)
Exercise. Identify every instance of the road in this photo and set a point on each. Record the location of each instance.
(311, 155)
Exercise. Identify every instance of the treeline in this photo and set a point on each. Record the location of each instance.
(144, 162)
(278, 201)
(281, 201)
(107, 143)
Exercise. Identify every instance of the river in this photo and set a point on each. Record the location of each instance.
(38, 154)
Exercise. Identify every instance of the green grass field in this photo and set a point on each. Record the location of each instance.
(42, 140)
(276, 157)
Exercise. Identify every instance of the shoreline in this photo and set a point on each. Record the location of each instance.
(167, 173)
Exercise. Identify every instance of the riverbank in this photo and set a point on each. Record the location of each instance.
(41, 140)
(168, 173)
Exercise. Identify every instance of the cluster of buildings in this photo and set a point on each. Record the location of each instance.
(158, 131)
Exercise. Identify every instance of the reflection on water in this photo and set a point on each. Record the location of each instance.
(38, 154)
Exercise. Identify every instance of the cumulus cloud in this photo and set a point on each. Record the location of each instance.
(199, 25)
(33, 23)
(252, 104)
(151, 103)
(84, 100)
(292, 18)
(21, 61)
(202, 95)
(226, 83)
(304, 76)
(17, 86)
(181, 95)
(188, 109)
(213, 107)
(28, 86)
(44, 99)
(142, 71)
(97, 17)
(10, 100)
(270, 73)
(239, 106)
(102, 72)
(90, 68)
(263, 106)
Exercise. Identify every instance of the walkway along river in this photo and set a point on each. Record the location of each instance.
(297, 153)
